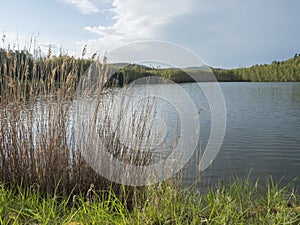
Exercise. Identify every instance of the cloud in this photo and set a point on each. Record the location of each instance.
(84, 6)
(227, 35)
(138, 20)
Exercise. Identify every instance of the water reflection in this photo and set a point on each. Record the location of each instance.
(262, 136)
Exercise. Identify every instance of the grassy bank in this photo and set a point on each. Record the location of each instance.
(242, 202)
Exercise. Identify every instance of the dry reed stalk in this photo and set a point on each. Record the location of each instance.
(37, 141)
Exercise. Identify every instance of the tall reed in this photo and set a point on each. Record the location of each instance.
(39, 145)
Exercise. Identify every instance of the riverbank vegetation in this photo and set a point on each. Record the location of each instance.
(39, 143)
(241, 202)
(45, 177)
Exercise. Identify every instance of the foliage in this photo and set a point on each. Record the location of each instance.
(288, 70)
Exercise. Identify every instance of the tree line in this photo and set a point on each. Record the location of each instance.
(22, 64)
(288, 70)
(280, 71)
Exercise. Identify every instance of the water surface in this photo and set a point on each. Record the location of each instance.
(262, 135)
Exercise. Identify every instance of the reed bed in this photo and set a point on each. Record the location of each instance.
(39, 145)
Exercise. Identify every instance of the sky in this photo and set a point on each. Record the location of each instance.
(226, 34)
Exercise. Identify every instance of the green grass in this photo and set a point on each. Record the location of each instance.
(242, 202)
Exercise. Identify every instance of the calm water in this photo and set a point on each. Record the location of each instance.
(262, 135)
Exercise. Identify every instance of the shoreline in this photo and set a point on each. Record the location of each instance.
(240, 202)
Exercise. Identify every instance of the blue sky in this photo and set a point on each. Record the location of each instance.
(231, 33)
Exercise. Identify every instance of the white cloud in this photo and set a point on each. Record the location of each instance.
(138, 20)
(84, 6)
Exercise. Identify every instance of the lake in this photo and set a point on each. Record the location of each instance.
(262, 134)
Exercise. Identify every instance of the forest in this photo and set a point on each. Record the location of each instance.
(288, 70)
(277, 71)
